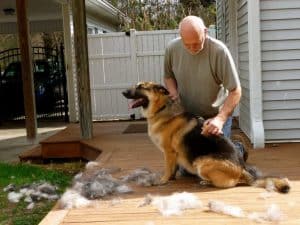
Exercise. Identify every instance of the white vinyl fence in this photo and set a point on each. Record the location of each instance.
(118, 61)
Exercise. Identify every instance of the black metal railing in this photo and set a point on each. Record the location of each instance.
(53, 59)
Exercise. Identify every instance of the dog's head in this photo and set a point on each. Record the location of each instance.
(148, 95)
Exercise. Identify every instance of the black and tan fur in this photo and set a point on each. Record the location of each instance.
(177, 134)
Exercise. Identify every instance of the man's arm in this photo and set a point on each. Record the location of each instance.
(171, 85)
(214, 125)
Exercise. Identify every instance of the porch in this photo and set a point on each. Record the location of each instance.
(130, 151)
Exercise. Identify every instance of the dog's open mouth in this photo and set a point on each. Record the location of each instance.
(138, 102)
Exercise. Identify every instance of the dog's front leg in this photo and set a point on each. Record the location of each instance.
(170, 166)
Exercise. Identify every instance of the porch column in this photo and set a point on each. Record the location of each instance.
(27, 73)
(66, 13)
(82, 68)
(255, 75)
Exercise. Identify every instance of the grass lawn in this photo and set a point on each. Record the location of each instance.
(20, 174)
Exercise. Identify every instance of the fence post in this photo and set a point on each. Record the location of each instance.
(133, 54)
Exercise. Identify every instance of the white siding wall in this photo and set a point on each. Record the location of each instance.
(280, 43)
(243, 65)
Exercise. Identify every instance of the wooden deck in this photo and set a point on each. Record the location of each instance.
(130, 151)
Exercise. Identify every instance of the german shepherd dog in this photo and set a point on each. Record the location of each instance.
(215, 159)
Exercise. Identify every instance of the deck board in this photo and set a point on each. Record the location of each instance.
(130, 151)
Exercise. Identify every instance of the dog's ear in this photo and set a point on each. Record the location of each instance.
(163, 90)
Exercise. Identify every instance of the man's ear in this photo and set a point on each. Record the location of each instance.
(205, 31)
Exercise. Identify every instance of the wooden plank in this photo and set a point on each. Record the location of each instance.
(27, 71)
(61, 150)
(82, 65)
(55, 217)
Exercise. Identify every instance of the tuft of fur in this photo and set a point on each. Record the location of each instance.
(72, 199)
(174, 204)
(30, 206)
(221, 207)
(143, 177)
(92, 185)
(9, 188)
(91, 165)
(272, 214)
(14, 197)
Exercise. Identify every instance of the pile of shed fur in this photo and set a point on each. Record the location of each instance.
(98, 182)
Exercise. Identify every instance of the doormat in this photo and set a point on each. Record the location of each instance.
(136, 128)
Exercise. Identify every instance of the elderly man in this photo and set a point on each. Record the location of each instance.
(196, 69)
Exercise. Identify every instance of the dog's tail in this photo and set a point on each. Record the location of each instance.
(253, 177)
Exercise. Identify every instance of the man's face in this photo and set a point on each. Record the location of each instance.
(194, 42)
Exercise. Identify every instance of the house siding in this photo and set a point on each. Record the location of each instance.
(223, 33)
(243, 66)
(280, 50)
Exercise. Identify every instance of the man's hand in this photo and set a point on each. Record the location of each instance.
(213, 126)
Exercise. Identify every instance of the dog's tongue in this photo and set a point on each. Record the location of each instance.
(135, 103)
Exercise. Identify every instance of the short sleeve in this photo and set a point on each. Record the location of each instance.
(226, 69)
(168, 72)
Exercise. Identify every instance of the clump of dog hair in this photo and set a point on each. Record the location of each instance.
(72, 199)
(92, 185)
(173, 204)
(146, 201)
(115, 201)
(32, 193)
(272, 214)
(91, 165)
(103, 185)
(14, 197)
(9, 188)
(143, 177)
(221, 207)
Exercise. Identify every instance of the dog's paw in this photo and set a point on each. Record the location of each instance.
(205, 183)
(163, 180)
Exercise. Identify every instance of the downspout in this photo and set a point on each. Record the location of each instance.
(255, 75)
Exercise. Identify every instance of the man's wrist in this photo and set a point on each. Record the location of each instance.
(222, 117)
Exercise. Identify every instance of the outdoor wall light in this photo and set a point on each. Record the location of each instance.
(9, 11)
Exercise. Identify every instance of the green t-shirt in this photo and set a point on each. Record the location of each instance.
(199, 77)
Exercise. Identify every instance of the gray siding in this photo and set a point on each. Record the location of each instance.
(223, 21)
(243, 65)
(220, 26)
(280, 43)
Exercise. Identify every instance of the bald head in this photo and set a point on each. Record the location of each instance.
(193, 33)
(191, 23)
